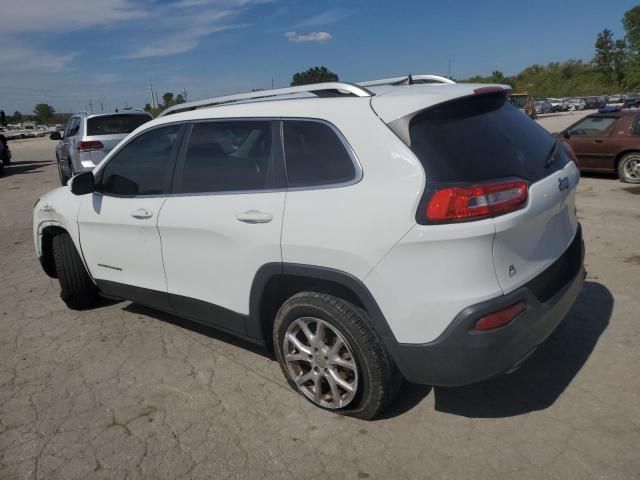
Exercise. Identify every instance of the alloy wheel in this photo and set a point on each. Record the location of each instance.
(320, 362)
(631, 169)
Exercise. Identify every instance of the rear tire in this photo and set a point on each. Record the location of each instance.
(358, 379)
(629, 168)
(77, 289)
(63, 178)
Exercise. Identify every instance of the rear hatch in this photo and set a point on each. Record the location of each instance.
(109, 130)
(481, 143)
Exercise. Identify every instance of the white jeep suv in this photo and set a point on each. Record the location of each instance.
(392, 229)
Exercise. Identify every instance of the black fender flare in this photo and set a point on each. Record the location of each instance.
(346, 280)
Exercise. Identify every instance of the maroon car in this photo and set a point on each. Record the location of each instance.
(607, 141)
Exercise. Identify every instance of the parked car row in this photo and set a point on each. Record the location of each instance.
(25, 130)
(551, 105)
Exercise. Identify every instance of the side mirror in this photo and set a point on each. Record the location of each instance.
(567, 134)
(55, 136)
(83, 183)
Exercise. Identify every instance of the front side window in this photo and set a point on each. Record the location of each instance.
(228, 156)
(593, 126)
(636, 127)
(144, 165)
(315, 155)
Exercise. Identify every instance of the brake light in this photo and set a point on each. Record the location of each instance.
(477, 201)
(485, 90)
(88, 146)
(500, 318)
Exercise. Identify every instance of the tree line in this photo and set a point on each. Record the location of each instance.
(614, 68)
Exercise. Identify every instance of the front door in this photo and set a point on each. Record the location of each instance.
(118, 223)
(223, 219)
(590, 140)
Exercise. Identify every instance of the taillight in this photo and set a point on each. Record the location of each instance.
(500, 318)
(88, 146)
(477, 201)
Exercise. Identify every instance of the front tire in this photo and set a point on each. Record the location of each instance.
(629, 168)
(329, 354)
(77, 289)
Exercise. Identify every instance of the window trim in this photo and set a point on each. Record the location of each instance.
(358, 173)
(277, 157)
(172, 166)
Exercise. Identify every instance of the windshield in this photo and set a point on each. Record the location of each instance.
(480, 138)
(115, 124)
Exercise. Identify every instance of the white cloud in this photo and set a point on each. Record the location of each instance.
(19, 58)
(188, 29)
(309, 37)
(325, 18)
(63, 15)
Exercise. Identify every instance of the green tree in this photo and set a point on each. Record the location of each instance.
(167, 98)
(148, 108)
(16, 117)
(604, 58)
(631, 23)
(44, 112)
(619, 60)
(314, 75)
(179, 99)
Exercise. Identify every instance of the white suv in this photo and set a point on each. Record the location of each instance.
(372, 232)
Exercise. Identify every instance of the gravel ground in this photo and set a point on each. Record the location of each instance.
(125, 392)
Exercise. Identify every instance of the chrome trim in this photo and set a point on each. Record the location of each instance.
(359, 173)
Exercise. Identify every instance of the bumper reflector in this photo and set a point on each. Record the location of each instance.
(501, 317)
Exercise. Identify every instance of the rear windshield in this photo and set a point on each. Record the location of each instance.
(482, 138)
(114, 124)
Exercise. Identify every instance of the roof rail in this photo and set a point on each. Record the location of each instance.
(406, 80)
(319, 89)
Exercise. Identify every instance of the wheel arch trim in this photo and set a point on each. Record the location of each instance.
(271, 270)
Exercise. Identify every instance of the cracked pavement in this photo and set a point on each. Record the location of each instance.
(126, 392)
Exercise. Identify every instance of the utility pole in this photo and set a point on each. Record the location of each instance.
(101, 107)
(271, 83)
(157, 101)
(449, 67)
(153, 104)
(184, 91)
(90, 105)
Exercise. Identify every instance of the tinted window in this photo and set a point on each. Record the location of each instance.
(144, 165)
(315, 155)
(482, 138)
(114, 124)
(636, 128)
(593, 125)
(227, 156)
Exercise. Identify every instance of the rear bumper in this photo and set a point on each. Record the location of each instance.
(461, 355)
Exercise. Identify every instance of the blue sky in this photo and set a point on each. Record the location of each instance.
(67, 52)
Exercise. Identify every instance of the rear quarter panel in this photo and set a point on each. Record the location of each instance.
(351, 228)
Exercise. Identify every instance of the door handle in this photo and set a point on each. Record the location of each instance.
(598, 141)
(254, 216)
(142, 213)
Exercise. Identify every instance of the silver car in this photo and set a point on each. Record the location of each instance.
(88, 137)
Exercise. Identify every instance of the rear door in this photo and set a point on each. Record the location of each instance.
(483, 140)
(223, 219)
(590, 139)
(68, 141)
(110, 130)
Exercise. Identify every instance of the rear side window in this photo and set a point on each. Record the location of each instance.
(115, 124)
(480, 138)
(596, 125)
(315, 155)
(228, 156)
(144, 165)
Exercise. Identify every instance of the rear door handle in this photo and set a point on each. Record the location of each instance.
(254, 216)
(142, 213)
(598, 141)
